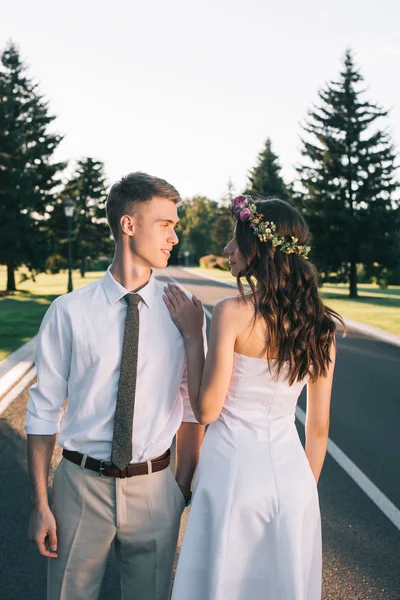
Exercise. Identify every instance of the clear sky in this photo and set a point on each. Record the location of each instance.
(189, 90)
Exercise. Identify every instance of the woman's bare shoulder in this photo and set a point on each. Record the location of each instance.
(236, 310)
(232, 304)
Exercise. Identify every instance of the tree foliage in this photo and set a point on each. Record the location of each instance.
(90, 232)
(348, 180)
(197, 216)
(265, 179)
(28, 176)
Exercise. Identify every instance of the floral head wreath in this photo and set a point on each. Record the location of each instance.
(244, 208)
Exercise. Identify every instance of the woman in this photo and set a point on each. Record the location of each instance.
(254, 530)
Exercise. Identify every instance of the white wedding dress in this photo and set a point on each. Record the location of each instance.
(254, 530)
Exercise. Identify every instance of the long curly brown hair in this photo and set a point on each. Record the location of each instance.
(300, 328)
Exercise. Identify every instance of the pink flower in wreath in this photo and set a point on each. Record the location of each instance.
(239, 203)
(245, 214)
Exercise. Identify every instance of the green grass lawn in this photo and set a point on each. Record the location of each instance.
(22, 312)
(375, 306)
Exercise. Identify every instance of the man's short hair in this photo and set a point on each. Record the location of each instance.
(132, 191)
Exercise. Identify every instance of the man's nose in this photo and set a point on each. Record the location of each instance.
(173, 238)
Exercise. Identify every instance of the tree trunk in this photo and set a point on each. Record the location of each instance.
(83, 267)
(10, 278)
(353, 280)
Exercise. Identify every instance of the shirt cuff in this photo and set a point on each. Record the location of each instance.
(188, 417)
(36, 426)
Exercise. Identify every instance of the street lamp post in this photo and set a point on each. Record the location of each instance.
(69, 206)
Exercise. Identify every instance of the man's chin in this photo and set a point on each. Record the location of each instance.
(160, 264)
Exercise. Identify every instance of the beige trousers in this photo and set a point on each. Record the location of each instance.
(141, 514)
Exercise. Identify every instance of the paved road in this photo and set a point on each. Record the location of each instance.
(361, 546)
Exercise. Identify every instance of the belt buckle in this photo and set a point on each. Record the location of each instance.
(103, 465)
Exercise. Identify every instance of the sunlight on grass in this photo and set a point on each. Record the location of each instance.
(22, 312)
(377, 307)
(45, 284)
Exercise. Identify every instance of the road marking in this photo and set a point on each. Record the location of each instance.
(210, 277)
(368, 487)
(17, 389)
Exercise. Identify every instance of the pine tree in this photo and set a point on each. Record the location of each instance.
(27, 175)
(265, 179)
(348, 180)
(91, 236)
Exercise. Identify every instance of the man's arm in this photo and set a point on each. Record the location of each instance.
(42, 524)
(43, 417)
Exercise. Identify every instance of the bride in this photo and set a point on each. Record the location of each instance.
(254, 530)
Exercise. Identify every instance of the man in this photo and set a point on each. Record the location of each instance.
(113, 350)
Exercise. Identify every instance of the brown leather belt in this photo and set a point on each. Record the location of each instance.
(106, 469)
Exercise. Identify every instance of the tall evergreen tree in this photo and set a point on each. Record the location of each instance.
(91, 235)
(27, 173)
(348, 179)
(265, 179)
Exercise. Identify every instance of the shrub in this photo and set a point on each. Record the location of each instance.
(208, 262)
(211, 261)
(56, 263)
(222, 263)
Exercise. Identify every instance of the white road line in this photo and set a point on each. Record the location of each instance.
(210, 277)
(17, 389)
(368, 487)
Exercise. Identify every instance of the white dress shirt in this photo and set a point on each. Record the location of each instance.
(78, 356)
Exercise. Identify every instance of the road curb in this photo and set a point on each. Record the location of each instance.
(16, 365)
(368, 330)
(17, 389)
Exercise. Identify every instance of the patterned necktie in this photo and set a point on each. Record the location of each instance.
(121, 453)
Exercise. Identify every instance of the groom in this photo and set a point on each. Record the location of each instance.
(113, 350)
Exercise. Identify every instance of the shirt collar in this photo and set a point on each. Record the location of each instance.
(115, 291)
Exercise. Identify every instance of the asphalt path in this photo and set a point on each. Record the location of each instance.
(361, 545)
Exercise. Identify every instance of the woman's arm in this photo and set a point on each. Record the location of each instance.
(208, 380)
(317, 418)
(188, 316)
(219, 362)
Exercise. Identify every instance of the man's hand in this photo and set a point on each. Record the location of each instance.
(187, 493)
(43, 532)
(42, 525)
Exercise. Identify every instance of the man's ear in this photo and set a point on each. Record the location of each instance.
(127, 223)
